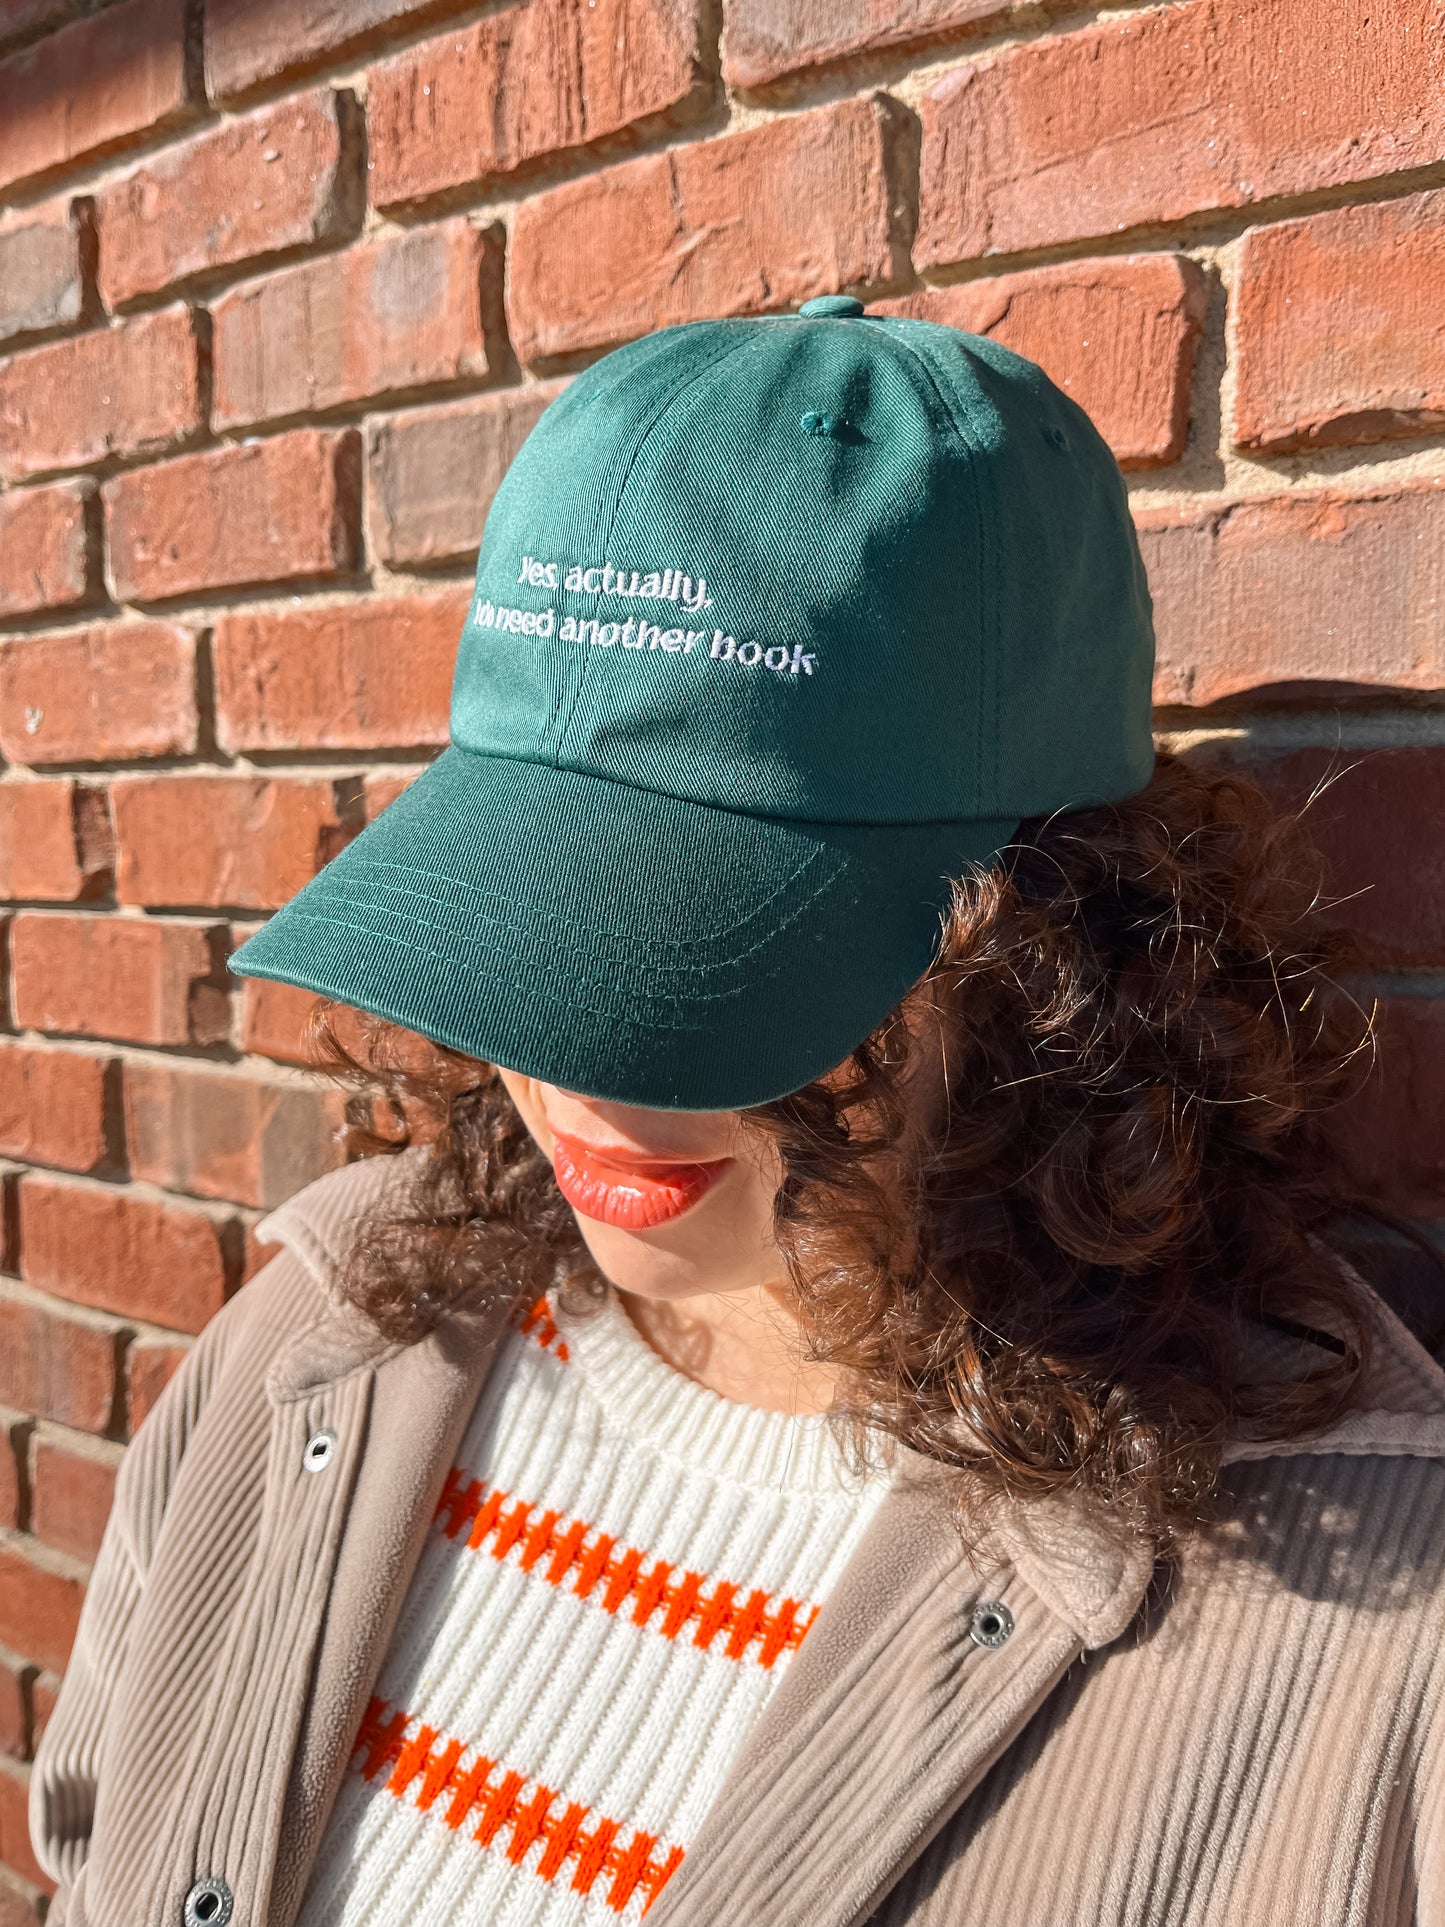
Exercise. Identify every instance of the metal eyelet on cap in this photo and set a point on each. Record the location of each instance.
(319, 1449)
(992, 1625)
(209, 1904)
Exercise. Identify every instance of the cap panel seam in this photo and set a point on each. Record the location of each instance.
(987, 515)
(713, 361)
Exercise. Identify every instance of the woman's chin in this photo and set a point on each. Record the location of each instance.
(674, 1260)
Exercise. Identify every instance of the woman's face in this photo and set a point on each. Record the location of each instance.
(670, 1203)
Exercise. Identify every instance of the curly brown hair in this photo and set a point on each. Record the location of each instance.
(1049, 1276)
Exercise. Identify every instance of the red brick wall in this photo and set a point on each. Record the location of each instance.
(282, 285)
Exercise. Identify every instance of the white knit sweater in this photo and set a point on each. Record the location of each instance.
(620, 1570)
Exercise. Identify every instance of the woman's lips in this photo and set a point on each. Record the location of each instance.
(623, 1188)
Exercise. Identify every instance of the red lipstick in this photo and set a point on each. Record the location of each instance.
(624, 1188)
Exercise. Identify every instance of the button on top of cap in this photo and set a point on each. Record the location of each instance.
(838, 307)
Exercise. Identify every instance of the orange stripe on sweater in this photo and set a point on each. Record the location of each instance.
(537, 1322)
(631, 1866)
(616, 1577)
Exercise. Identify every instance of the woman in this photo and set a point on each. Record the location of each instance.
(857, 1418)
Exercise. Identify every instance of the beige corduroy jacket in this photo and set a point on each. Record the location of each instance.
(1259, 1745)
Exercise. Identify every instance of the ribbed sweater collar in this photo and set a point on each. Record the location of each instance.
(676, 1418)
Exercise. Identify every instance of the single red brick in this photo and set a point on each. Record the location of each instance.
(224, 1132)
(382, 787)
(47, 557)
(242, 841)
(40, 1596)
(1394, 1130)
(114, 690)
(131, 389)
(53, 1105)
(358, 675)
(149, 1364)
(92, 87)
(146, 980)
(251, 42)
(1312, 588)
(1375, 817)
(1116, 334)
(264, 512)
(120, 1252)
(57, 1363)
(1337, 333)
(401, 311)
(45, 264)
(55, 841)
(16, 1851)
(1160, 114)
(275, 1020)
(73, 1482)
(749, 223)
(532, 80)
(14, 1716)
(286, 176)
(431, 473)
(763, 43)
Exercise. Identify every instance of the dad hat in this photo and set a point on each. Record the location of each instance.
(779, 625)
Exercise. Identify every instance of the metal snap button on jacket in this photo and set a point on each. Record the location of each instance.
(319, 1448)
(992, 1624)
(208, 1904)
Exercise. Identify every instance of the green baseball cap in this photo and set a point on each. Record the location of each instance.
(779, 625)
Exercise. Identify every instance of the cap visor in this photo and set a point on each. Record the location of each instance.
(616, 942)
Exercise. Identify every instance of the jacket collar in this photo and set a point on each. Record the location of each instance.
(418, 1399)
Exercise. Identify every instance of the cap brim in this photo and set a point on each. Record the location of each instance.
(616, 942)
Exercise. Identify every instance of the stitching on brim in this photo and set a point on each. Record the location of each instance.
(634, 942)
(677, 970)
(612, 1016)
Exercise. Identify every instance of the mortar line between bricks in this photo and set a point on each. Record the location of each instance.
(356, 58)
(932, 56)
(1206, 228)
(414, 583)
(206, 1057)
(219, 1211)
(89, 171)
(249, 1068)
(202, 288)
(17, 1290)
(1392, 461)
(67, 11)
(64, 1564)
